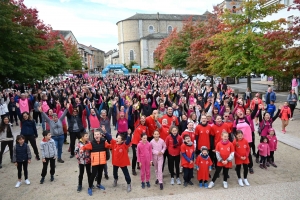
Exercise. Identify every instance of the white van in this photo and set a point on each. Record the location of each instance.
(118, 71)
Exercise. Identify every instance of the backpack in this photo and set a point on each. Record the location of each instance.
(259, 129)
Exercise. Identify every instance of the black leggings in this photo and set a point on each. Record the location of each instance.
(174, 160)
(250, 165)
(165, 156)
(32, 141)
(134, 158)
(263, 159)
(217, 173)
(271, 157)
(12, 115)
(238, 170)
(36, 116)
(73, 136)
(292, 107)
(10, 145)
(187, 174)
(253, 143)
(19, 167)
(98, 169)
(81, 172)
(45, 166)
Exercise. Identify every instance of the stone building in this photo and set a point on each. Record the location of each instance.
(140, 35)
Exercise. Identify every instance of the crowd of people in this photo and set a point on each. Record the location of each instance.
(195, 126)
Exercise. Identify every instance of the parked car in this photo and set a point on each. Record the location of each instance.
(118, 71)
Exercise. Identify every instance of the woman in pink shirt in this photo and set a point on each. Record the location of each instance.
(158, 150)
(122, 121)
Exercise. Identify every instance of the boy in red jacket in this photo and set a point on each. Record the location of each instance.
(187, 159)
(120, 157)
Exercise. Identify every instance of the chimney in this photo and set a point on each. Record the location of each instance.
(158, 16)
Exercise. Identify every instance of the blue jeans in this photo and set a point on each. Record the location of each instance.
(59, 141)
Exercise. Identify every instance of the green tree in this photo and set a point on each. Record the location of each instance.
(237, 49)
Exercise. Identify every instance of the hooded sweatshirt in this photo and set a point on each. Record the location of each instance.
(48, 148)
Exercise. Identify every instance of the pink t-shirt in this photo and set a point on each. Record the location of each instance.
(294, 82)
(122, 125)
(245, 127)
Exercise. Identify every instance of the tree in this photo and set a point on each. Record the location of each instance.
(237, 49)
(200, 47)
(71, 53)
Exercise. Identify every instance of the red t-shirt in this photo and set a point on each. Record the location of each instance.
(171, 120)
(225, 150)
(191, 134)
(137, 134)
(150, 123)
(120, 156)
(189, 151)
(203, 133)
(242, 149)
(216, 130)
(173, 150)
(164, 132)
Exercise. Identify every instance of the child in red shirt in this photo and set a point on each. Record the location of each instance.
(173, 143)
(273, 146)
(203, 163)
(225, 155)
(120, 157)
(187, 159)
(242, 151)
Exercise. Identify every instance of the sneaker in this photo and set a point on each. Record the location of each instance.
(106, 176)
(206, 185)
(190, 183)
(268, 164)
(292, 119)
(240, 182)
(251, 171)
(185, 184)
(79, 188)
(161, 186)
(90, 191)
(143, 185)
(71, 156)
(156, 182)
(246, 182)
(115, 183)
(60, 160)
(37, 157)
(66, 142)
(52, 178)
(178, 181)
(273, 164)
(225, 184)
(128, 187)
(265, 166)
(18, 184)
(172, 181)
(211, 185)
(261, 166)
(200, 185)
(101, 187)
(257, 160)
(148, 184)
(42, 180)
(134, 172)
(27, 182)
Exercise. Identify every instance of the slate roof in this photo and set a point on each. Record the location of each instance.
(168, 17)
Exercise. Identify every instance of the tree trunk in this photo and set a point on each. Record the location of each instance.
(249, 82)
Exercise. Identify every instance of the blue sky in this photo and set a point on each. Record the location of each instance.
(93, 22)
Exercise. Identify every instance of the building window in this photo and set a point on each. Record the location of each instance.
(170, 29)
(290, 21)
(151, 29)
(131, 55)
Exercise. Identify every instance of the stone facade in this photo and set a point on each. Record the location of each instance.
(140, 35)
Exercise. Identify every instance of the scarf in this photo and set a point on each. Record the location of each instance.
(224, 142)
(174, 137)
(188, 144)
(203, 156)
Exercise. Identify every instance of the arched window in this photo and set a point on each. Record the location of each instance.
(151, 29)
(170, 29)
(131, 55)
